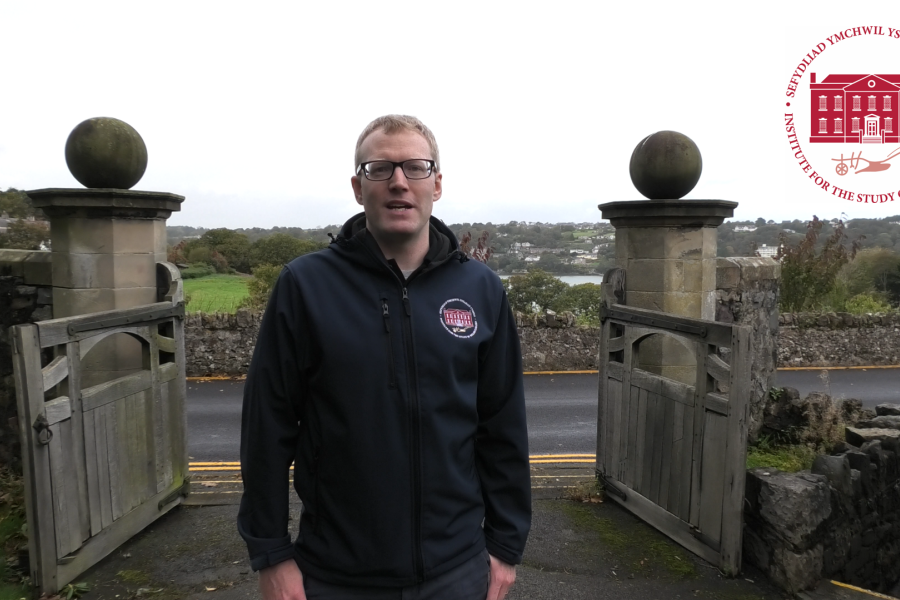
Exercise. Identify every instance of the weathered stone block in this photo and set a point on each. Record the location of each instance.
(837, 470)
(881, 422)
(38, 268)
(80, 235)
(858, 436)
(793, 505)
(654, 275)
(104, 270)
(887, 410)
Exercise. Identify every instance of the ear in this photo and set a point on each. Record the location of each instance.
(357, 189)
(438, 187)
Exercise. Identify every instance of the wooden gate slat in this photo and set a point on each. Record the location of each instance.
(700, 389)
(640, 442)
(736, 452)
(102, 466)
(115, 457)
(602, 394)
(667, 454)
(93, 473)
(631, 438)
(659, 425)
(127, 442)
(683, 509)
(677, 460)
(712, 476)
(73, 388)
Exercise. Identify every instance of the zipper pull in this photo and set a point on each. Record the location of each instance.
(406, 303)
(386, 315)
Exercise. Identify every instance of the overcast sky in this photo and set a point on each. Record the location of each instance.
(252, 111)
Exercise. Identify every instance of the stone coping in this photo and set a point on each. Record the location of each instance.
(667, 213)
(105, 202)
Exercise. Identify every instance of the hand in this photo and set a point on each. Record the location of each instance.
(501, 579)
(282, 582)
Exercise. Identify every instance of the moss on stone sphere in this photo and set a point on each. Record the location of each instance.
(106, 153)
(665, 165)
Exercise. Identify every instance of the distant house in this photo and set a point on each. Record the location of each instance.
(767, 251)
(745, 228)
(532, 258)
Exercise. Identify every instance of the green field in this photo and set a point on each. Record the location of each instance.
(216, 293)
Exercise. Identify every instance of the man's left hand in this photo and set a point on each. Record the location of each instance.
(503, 575)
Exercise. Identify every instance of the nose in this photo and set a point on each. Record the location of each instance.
(398, 179)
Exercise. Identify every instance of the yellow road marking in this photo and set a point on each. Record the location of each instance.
(857, 589)
(838, 368)
(535, 459)
(588, 372)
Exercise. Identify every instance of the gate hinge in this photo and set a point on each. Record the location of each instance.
(182, 490)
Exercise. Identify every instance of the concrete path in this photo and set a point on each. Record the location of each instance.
(589, 550)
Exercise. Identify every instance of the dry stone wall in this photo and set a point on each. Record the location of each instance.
(838, 339)
(25, 297)
(840, 521)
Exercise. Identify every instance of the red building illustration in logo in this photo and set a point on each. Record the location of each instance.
(455, 317)
(854, 109)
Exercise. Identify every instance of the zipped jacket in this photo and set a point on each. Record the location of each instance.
(400, 403)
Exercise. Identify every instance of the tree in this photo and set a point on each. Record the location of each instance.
(261, 285)
(584, 300)
(280, 249)
(17, 205)
(809, 274)
(233, 246)
(25, 235)
(536, 291)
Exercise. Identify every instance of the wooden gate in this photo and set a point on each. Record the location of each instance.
(102, 462)
(674, 454)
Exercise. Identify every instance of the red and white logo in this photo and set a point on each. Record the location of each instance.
(841, 116)
(458, 318)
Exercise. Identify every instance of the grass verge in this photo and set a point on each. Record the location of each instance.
(216, 293)
(789, 459)
(12, 536)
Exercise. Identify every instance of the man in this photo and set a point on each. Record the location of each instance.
(388, 370)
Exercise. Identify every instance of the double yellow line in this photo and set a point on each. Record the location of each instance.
(535, 459)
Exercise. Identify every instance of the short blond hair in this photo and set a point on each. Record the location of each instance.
(391, 124)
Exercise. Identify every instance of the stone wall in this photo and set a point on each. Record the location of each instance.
(841, 521)
(747, 294)
(838, 339)
(25, 297)
(220, 344)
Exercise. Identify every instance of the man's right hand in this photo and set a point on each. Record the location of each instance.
(282, 582)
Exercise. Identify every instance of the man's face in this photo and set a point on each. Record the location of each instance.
(397, 209)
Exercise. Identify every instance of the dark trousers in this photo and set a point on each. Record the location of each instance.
(468, 581)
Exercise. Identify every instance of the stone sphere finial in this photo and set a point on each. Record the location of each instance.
(106, 153)
(665, 165)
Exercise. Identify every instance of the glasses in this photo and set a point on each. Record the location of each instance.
(381, 170)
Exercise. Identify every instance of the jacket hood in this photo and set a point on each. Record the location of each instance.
(353, 240)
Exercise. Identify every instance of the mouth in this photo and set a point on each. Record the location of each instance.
(399, 206)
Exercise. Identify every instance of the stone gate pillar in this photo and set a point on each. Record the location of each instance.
(667, 245)
(106, 239)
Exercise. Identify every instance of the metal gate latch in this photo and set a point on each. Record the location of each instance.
(43, 428)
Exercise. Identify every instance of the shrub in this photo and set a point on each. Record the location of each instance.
(196, 271)
(584, 300)
(260, 286)
(861, 304)
(536, 291)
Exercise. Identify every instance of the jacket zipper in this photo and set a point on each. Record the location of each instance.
(392, 381)
(416, 435)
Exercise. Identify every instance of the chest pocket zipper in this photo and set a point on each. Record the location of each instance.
(386, 317)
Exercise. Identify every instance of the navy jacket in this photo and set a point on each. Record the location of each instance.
(400, 403)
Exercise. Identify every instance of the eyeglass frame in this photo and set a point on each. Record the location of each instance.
(431, 171)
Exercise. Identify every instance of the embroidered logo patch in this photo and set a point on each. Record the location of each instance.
(458, 317)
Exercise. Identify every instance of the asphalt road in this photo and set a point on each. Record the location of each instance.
(562, 409)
